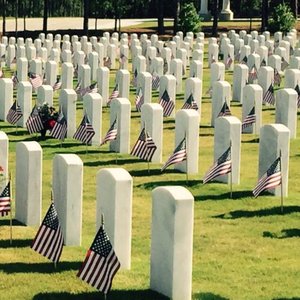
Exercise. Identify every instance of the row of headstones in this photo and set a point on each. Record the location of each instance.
(241, 45)
(171, 273)
(80, 52)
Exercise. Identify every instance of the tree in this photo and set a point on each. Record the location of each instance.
(45, 18)
(3, 17)
(86, 12)
(160, 16)
(264, 15)
(215, 18)
(189, 19)
(176, 15)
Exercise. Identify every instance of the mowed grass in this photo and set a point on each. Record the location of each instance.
(243, 248)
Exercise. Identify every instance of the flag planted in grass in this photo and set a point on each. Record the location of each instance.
(139, 99)
(49, 238)
(221, 167)
(114, 94)
(57, 84)
(14, 114)
(167, 104)
(36, 80)
(229, 62)
(111, 134)
(225, 111)
(190, 103)
(5, 206)
(277, 77)
(252, 74)
(297, 89)
(144, 147)
(59, 130)
(34, 122)
(101, 263)
(269, 95)
(250, 119)
(85, 131)
(155, 81)
(179, 155)
(270, 180)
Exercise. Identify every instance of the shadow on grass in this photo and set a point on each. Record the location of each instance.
(225, 196)
(209, 296)
(113, 295)
(145, 172)
(119, 161)
(15, 243)
(284, 234)
(259, 213)
(253, 141)
(47, 267)
(64, 145)
(19, 132)
(152, 185)
(169, 121)
(6, 222)
(293, 298)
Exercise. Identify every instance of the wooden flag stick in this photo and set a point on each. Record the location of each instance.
(230, 172)
(281, 188)
(116, 157)
(86, 148)
(10, 213)
(148, 166)
(105, 296)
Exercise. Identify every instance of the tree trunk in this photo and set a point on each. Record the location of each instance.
(45, 18)
(24, 15)
(16, 17)
(176, 14)
(86, 10)
(215, 18)
(264, 15)
(294, 7)
(3, 17)
(160, 17)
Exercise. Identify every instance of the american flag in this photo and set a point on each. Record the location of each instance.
(134, 79)
(139, 99)
(100, 264)
(178, 155)
(155, 81)
(190, 103)
(15, 80)
(5, 201)
(291, 50)
(225, 111)
(107, 62)
(221, 167)
(270, 179)
(229, 62)
(144, 147)
(36, 80)
(252, 74)
(85, 131)
(284, 64)
(34, 122)
(76, 71)
(297, 89)
(244, 60)
(250, 119)
(111, 134)
(114, 94)
(123, 59)
(14, 114)
(263, 63)
(59, 130)
(277, 77)
(165, 66)
(269, 95)
(167, 104)
(237, 56)
(212, 59)
(49, 238)
(57, 84)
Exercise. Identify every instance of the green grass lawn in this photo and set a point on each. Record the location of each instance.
(243, 247)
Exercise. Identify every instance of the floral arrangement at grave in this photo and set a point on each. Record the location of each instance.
(48, 116)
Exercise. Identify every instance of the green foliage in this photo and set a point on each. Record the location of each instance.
(189, 19)
(282, 19)
(251, 8)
